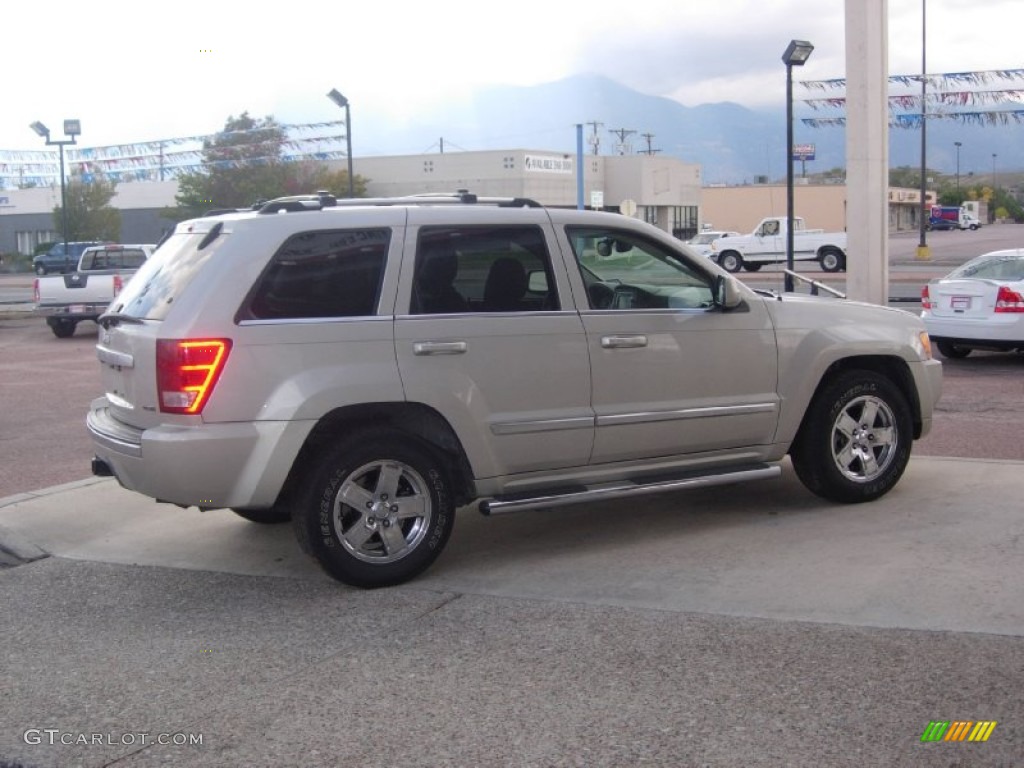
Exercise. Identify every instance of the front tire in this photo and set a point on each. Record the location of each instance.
(854, 444)
(730, 261)
(376, 511)
(40, 270)
(952, 351)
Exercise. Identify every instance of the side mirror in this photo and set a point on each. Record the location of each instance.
(727, 295)
(604, 248)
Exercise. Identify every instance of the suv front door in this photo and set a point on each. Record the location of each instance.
(672, 373)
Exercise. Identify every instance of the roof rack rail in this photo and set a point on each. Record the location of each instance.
(315, 202)
(321, 200)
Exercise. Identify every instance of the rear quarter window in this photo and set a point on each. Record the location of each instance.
(324, 274)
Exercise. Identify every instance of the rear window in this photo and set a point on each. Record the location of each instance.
(993, 266)
(114, 258)
(163, 277)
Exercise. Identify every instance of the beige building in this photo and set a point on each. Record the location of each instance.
(822, 206)
(665, 191)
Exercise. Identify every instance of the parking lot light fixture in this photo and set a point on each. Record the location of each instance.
(335, 96)
(72, 129)
(958, 145)
(796, 55)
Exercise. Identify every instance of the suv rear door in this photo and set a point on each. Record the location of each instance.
(487, 335)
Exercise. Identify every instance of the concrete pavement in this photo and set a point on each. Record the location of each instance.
(746, 625)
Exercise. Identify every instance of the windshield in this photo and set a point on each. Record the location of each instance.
(993, 266)
(162, 278)
(704, 239)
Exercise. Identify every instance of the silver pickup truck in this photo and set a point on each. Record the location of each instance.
(103, 270)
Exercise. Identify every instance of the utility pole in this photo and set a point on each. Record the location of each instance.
(622, 133)
(649, 151)
(594, 140)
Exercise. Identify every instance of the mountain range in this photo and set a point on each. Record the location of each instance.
(733, 144)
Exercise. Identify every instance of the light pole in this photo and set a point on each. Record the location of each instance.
(958, 145)
(796, 55)
(993, 173)
(341, 101)
(72, 128)
(922, 246)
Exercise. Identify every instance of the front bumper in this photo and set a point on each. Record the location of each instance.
(928, 382)
(238, 464)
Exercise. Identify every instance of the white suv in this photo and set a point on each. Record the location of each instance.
(364, 367)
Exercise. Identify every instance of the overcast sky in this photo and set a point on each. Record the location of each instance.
(140, 71)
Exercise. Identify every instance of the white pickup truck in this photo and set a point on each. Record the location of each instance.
(767, 245)
(66, 300)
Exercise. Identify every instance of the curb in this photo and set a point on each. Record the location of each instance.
(19, 498)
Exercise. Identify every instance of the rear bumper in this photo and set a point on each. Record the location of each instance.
(87, 311)
(241, 464)
(1007, 329)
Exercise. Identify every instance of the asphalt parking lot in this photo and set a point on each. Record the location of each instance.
(751, 625)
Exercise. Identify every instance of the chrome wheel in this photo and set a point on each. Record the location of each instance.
(864, 439)
(382, 511)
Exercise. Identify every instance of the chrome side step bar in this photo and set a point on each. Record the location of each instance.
(519, 503)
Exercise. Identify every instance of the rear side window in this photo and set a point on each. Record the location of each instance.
(326, 274)
(482, 269)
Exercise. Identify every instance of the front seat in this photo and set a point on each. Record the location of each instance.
(506, 286)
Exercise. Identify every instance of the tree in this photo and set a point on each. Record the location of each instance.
(90, 214)
(244, 164)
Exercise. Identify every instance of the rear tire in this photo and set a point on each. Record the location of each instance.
(752, 267)
(63, 329)
(854, 444)
(952, 351)
(730, 261)
(832, 260)
(376, 511)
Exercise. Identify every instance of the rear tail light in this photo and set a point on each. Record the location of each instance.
(35, 290)
(118, 284)
(926, 300)
(187, 371)
(1009, 301)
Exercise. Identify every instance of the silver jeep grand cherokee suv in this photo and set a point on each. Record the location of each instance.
(365, 367)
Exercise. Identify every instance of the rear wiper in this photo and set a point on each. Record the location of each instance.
(108, 319)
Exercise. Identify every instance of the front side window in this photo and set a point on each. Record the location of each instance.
(624, 270)
(323, 274)
(482, 269)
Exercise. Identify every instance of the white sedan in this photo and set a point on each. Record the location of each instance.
(979, 305)
(702, 241)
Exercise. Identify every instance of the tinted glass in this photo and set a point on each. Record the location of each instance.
(163, 277)
(322, 274)
(482, 269)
